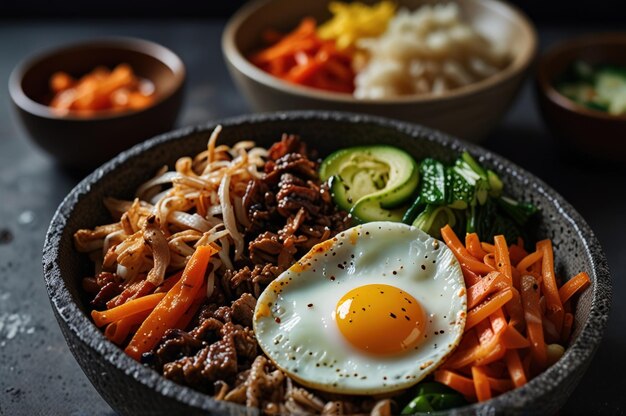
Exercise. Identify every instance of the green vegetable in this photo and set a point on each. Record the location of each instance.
(433, 218)
(433, 397)
(432, 188)
(371, 181)
(600, 87)
(520, 212)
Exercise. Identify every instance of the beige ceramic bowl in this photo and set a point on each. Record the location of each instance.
(468, 112)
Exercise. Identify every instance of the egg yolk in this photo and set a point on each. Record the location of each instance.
(380, 319)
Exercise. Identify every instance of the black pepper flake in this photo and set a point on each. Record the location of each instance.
(332, 278)
(395, 272)
(535, 287)
(408, 300)
(403, 310)
(423, 267)
(392, 315)
(340, 266)
(407, 318)
(277, 320)
(310, 305)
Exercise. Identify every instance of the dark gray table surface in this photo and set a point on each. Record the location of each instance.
(38, 375)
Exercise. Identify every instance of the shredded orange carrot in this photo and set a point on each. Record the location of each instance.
(169, 283)
(129, 308)
(462, 255)
(489, 284)
(301, 57)
(486, 308)
(554, 305)
(512, 313)
(472, 243)
(576, 283)
(532, 314)
(515, 367)
(118, 331)
(184, 320)
(481, 384)
(502, 257)
(173, 305)
(455, 381)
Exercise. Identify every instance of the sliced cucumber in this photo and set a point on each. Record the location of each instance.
(379, 178)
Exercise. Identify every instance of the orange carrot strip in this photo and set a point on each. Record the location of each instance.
(516, 370)
(503, 260)
(472, 243)
(515, 310)
(467, 352)
(495, 353)
(484, 332)
(470, 277)
(493, 282)
(169, 283)
(498, 322)
(486, 308)
(512, 339)
(573, 285)
(133, 291)
(118, 331)
(517, 253)
(481, 384)
(529, 260)
(500, 385)
(549, 286)
(490, 260)
(184, 320)
(129, 308)
(532, 314)
(568, 322)
(488, 248)
(461, 253)
(455, 381)
(167, 313)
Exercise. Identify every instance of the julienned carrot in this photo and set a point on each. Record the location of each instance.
(509, 316)
(528, 261)
(532, 314)
(470, 277)
(573, 285)
(118, 331)
(515, 368)
(169, 283)
(515, 310)
(127, 309)
(513, 340)
(489, 284)
(481, 384)
(173, 305)
(455, 381)
(486, 308)
(184, 320)
(472, 244)
(461, 252)
(550, 290)
(502, 257)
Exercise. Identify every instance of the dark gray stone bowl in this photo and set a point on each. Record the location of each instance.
(131, 388)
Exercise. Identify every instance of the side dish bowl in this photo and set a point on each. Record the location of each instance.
(468, 112)
(87, 141)
(587, 131)
(131, 388)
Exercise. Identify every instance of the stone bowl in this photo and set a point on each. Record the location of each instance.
(132, 389)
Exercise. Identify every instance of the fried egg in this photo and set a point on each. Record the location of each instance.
(373, 310)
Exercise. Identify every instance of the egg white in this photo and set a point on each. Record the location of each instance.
(294, 324)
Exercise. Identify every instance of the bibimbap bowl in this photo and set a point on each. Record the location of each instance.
(131, 388)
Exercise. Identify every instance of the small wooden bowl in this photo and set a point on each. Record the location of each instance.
(577, 127)
(469, 112)
(87, 141)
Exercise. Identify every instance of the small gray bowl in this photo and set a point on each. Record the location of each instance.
(131, 388)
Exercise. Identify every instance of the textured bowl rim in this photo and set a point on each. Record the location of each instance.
(159, 52)
(82, 327)
(518, 65)
(546, 85)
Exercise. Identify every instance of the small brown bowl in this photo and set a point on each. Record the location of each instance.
(579, 128)
(85, 142)
(469, 112)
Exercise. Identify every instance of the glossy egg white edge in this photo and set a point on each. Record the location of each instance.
(294, 324)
